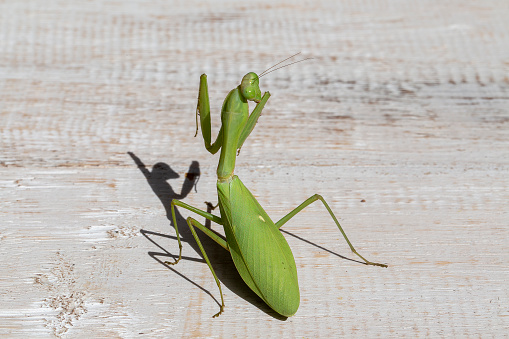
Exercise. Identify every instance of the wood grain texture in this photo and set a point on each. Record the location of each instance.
(401, 122)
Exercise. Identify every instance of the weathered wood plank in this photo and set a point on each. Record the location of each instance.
(401, 122)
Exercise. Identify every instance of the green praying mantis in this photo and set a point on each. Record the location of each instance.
(260, 253)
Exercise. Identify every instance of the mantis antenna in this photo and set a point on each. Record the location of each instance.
(278, 63)
(270, 70)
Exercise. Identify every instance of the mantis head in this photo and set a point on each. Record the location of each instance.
(249, 87)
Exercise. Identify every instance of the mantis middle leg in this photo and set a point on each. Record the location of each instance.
(310, 201)
(205, 230)
(192, 223)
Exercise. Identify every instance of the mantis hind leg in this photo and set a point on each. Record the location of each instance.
(205, 230)
(310, 201)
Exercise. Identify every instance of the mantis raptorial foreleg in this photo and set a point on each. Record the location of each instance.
(252, 120)
(312, 200)
(203, 110)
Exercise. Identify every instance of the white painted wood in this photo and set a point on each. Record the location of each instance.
(401, 122)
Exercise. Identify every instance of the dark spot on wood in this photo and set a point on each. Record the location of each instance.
(406, 91)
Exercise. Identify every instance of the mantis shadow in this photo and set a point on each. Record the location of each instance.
(221, 260)
(321, 247)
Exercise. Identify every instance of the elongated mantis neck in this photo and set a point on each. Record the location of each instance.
(234, 114)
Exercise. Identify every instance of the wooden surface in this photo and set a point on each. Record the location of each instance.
(401, 122)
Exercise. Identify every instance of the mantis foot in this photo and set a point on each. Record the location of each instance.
(375, 264)
(172, 263)
(366, 262)
(221, 309)
(212, 207)
(176, 260)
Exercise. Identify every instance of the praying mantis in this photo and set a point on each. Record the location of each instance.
(259, 251)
